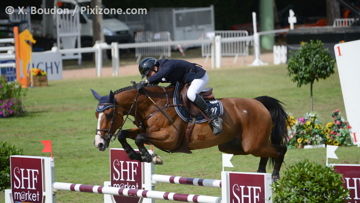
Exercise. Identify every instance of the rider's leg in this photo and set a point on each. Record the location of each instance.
(193, 94)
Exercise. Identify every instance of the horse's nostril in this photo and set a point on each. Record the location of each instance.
(100, 145)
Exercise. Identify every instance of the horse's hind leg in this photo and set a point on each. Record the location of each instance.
(278, 162)
(262, 165)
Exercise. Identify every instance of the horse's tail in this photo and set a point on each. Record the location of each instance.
(279, 133)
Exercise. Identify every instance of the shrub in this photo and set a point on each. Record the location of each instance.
(310, 182)
(11, 98)
(6, 151)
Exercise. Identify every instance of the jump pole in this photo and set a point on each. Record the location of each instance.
(135, 193)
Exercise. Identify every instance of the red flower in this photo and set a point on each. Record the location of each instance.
(349, 126)
(346, 122)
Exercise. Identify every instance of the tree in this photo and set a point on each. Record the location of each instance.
(332, 11)
(309, 63)
(97, 24)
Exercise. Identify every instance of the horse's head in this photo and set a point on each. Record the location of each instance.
(108, 119)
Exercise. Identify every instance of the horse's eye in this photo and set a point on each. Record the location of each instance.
(108, 115)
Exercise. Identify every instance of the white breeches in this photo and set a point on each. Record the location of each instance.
(196, 86)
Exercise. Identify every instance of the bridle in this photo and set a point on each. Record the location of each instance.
(110, 134)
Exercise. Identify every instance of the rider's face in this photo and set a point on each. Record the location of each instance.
(151, 72)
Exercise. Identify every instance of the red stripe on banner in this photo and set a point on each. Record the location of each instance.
(100, 189)
(195, 198)
(180, 197)
(166, 195)
(72, 187)
(144, 193)
(200, 182)
(132, 192)
(172, 179)
(86, 188)
(120, 191)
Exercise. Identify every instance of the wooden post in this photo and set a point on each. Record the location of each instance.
(17, 55)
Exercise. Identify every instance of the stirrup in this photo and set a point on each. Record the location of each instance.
(216, 130)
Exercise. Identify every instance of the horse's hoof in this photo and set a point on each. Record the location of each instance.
(275, 178)
(157, 160)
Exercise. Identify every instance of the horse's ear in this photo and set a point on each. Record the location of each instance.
(111, 96)
(96, 95)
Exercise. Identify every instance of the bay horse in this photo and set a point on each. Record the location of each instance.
(250, 126)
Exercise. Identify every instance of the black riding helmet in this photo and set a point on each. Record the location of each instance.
(146, 65)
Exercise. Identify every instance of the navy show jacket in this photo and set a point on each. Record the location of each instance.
(172, 70)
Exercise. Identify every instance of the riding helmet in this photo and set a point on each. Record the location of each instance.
(146, 65)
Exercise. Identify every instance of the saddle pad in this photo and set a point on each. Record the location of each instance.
(215, 106)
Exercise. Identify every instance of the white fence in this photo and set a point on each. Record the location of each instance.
(280, 54)
(68, 33)
(238, 48)
(7, 53)
(143, 37)
(344, 22)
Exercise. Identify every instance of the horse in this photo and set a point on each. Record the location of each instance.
(254, 126)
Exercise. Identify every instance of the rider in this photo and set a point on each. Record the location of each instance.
(165, 70)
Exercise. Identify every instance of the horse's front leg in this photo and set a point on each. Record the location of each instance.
(161, 136)
(131, 133)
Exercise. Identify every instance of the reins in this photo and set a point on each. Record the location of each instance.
(109, 135)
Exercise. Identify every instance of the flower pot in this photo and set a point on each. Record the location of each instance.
(38, 81)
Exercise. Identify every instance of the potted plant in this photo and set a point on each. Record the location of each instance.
(39, 78)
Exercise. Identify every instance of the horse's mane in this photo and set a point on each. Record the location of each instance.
(133, 87)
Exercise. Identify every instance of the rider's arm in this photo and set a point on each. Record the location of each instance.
(157, 77)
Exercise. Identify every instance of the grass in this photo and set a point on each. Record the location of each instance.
(64, 112)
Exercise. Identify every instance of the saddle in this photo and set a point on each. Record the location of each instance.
(194, 111)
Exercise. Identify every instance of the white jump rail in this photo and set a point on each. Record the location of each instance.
(156, 178)
(10, 52)
(136, 193)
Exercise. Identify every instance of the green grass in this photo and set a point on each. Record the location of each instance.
(64, 112)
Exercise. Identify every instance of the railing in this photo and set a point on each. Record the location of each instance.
(233, 48)
(142, 37)
(344, 22)
(10, 53)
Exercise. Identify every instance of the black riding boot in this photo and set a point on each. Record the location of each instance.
(216, 122)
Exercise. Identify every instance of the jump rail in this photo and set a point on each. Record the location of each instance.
(186, 181)
(136, 193)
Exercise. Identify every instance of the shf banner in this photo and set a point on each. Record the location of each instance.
(351, 179)
(239, 187)
(125, 173)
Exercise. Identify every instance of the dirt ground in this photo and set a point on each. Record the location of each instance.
(126, 70)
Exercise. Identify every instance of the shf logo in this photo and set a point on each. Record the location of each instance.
(125, 173)
(246, 187)
(26, 179)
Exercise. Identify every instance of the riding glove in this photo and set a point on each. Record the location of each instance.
(140, 85)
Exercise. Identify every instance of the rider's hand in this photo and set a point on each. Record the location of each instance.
(140, 85)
